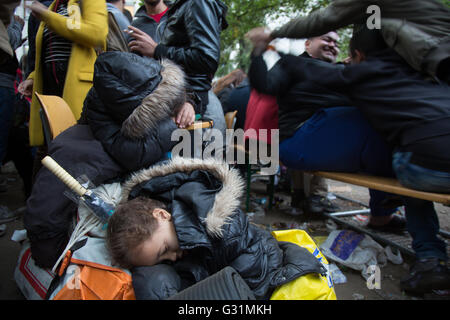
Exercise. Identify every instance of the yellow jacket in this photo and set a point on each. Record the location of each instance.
(87, 28)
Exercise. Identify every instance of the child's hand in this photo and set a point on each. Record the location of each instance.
(185, 116)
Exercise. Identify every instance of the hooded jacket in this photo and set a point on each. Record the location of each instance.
(203, 197)
(130, 105)
(192, 39)
(147, 24)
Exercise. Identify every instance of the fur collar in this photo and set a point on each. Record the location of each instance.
(227, 199)
(162, 103)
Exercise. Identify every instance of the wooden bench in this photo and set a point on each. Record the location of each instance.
(385, 184)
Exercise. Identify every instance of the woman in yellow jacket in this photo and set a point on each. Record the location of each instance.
(66, 43)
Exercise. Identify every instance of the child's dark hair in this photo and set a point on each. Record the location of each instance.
(131, 224)
(365, 40)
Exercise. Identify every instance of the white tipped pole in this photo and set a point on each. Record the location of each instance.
(63, 175)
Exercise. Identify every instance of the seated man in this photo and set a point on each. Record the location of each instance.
(319, 127)
(413, 116)
(180, 222)
(126, 125)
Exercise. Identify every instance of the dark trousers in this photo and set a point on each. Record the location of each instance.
(340, 139)
(6, 118)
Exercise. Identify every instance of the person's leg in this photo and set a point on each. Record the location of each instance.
(215, 113)
(430, 270)
(339, 139)
(336, 139)
(6, 118)
(19, 152)
(298, 195)
(317, 199)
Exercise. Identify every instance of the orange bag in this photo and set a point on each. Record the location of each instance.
(87, 274)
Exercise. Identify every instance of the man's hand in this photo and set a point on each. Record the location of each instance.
(142, 43)
(185, 116)
(26, 87)
(37, 9)
(259, 36)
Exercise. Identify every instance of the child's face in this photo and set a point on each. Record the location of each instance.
(162, 245)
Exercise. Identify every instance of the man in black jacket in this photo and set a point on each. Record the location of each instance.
(413, 116)
(152, 18)
(191, 38)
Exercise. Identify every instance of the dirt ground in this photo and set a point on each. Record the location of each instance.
(355, 288)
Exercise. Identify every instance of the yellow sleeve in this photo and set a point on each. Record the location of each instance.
(31, 75)
(87, 26)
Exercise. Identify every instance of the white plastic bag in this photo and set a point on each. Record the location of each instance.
(354, 250)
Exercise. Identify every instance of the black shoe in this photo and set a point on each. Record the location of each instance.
(329, 207)
(426, 276)
(314, 208)
(319, 204)
(396, 225)
(313, 205)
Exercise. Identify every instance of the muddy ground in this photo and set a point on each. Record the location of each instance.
(355, 288)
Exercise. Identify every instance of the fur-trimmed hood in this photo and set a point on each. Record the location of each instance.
(138, 92)
(226, 201)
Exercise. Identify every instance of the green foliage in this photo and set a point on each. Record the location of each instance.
(244, 15)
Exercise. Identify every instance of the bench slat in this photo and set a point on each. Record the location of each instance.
(383, 184)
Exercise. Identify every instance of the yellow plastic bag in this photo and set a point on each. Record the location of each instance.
(308, 287)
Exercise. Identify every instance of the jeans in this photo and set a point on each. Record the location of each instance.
(7, 99)
(215, 113)
(422, 221)
(340, 139)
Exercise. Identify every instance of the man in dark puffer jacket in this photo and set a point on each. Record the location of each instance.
(203, 198)
(129, 129)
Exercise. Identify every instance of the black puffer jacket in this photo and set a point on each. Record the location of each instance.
(192, 39)
(204, 199)
(130, 105)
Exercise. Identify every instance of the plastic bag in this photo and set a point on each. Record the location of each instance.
(354, 250)
(308, 287)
